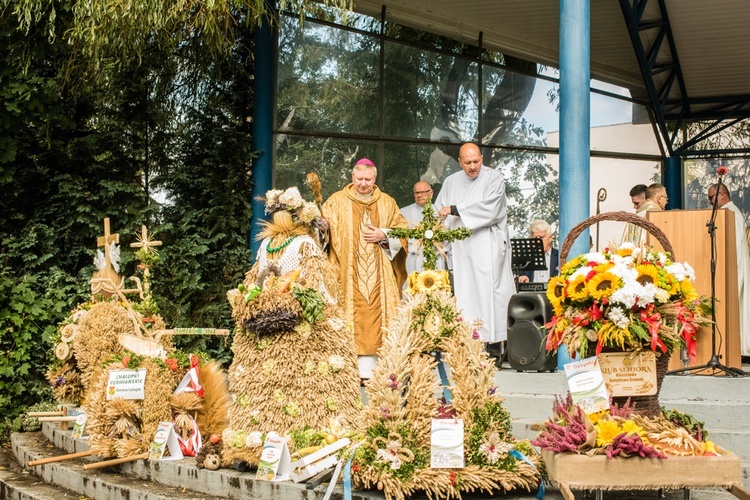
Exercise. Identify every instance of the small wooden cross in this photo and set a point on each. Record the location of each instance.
(104, 241)
(144, 241)
(431, 234)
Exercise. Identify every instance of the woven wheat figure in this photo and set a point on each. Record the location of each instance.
(395, 457)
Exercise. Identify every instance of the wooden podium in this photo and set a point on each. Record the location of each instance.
(686, 230)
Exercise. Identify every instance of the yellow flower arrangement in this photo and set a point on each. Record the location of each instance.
(626, 298)
(427, 281)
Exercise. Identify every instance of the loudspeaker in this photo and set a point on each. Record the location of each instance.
(527, 314)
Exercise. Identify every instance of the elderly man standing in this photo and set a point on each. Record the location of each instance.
(371, 265)
(719, 194)
(413, 215)
(483, 278)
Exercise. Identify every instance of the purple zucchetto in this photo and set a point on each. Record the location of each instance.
(365, 161)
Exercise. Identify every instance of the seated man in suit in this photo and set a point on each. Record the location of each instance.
(541, 229)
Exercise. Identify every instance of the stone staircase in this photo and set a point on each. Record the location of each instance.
(720, 402)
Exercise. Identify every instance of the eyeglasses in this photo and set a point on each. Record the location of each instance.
(666, 198)
(417, 193)
(711, 197)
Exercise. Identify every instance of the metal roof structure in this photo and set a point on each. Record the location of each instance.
(689, 58)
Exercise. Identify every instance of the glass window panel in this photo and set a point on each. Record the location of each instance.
(403, 165)
(332, 159)
(515, 111)
(327, 79)
(701, 174)
(540, 116)
(429, 95)
(531, 186)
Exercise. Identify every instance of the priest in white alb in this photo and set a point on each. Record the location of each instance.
(483, 278)
(719, 194)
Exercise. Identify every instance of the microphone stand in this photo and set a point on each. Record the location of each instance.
(713, 364)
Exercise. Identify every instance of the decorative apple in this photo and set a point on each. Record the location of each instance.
(215, 438)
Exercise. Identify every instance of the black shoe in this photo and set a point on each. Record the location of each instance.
(746, 360)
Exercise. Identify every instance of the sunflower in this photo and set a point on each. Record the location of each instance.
(600, 268)
(689, 293)
(625, 251)
(606, 432)
(577, 289)
(603, 284)
(428, 281)
(572, 265)
(647, 273)
(556, 293)
(631, 427)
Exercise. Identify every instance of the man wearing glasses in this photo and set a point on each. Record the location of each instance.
(656, 201)
(413, 215)
(719, 194)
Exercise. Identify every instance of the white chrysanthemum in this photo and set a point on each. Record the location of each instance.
(620, 260)
(79, 314)
(617, 316)
(597, 257)
(336, 362)
(661, 296)
(678, 270)
(626, 272)
(628, 244)
(626, 295)
(254, 439)
(291, 198)
(647, 294)
(308, 212)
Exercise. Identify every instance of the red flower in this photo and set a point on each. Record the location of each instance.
(453, 477)
(355, 467)
(125, 361)
(171, 364)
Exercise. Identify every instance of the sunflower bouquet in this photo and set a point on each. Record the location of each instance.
(627, 298)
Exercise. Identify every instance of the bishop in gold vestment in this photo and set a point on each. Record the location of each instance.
(371, 266)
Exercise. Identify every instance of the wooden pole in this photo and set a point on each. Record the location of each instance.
(58, 419)
(46, 413)
(59, 458)
(115, 461)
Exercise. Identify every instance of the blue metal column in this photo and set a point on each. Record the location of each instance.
(263, 116)
(673, 181)
(575, 119)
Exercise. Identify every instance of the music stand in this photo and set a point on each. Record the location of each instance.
(527, 254)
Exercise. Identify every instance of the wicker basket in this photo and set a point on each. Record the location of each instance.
(644, 405)
(620, 217)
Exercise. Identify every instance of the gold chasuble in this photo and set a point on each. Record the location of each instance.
(370, 277)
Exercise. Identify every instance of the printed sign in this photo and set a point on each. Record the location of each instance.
(126, 384)
(78, 427)
(629, 374)
(586, 385)
(275, 462)
(447, 443)
(165, 440)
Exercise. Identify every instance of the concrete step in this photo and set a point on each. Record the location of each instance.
(99, 484)
(128, 482)
(19, 484)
